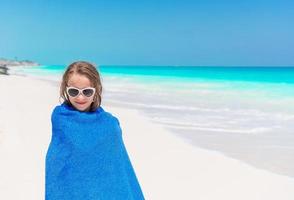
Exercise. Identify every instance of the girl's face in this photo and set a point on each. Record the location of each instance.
(80, 102)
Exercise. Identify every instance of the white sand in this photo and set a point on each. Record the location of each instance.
(166, 166)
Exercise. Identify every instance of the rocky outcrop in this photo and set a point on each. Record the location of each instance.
(12, 63)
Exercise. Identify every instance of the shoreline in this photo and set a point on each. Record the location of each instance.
(167, 167)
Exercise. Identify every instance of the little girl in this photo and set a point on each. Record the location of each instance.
(87, 159)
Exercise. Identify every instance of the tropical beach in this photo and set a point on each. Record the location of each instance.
(241, 112)
(202, 90)
(167, 166)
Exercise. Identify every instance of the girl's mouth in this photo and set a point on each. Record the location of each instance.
(81, 103)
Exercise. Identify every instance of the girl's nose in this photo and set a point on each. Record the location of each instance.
(80, 96)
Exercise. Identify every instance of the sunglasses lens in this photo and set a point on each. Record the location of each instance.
(88, 92)
(72, 92)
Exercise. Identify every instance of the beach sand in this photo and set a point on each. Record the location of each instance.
(166, 166)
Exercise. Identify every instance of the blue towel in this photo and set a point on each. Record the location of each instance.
(87, 159)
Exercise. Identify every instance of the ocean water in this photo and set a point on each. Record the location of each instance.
(246, 113)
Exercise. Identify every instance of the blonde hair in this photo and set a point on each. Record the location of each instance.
(89, 70)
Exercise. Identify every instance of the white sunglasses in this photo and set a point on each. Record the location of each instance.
(75, 92)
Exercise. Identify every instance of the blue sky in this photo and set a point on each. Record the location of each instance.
(211, 32)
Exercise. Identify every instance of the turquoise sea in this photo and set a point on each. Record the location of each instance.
(190, 73)
(246, 113)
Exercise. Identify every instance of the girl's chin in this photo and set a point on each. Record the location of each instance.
(81, 107)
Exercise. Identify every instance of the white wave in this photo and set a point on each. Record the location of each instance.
(224, 130)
